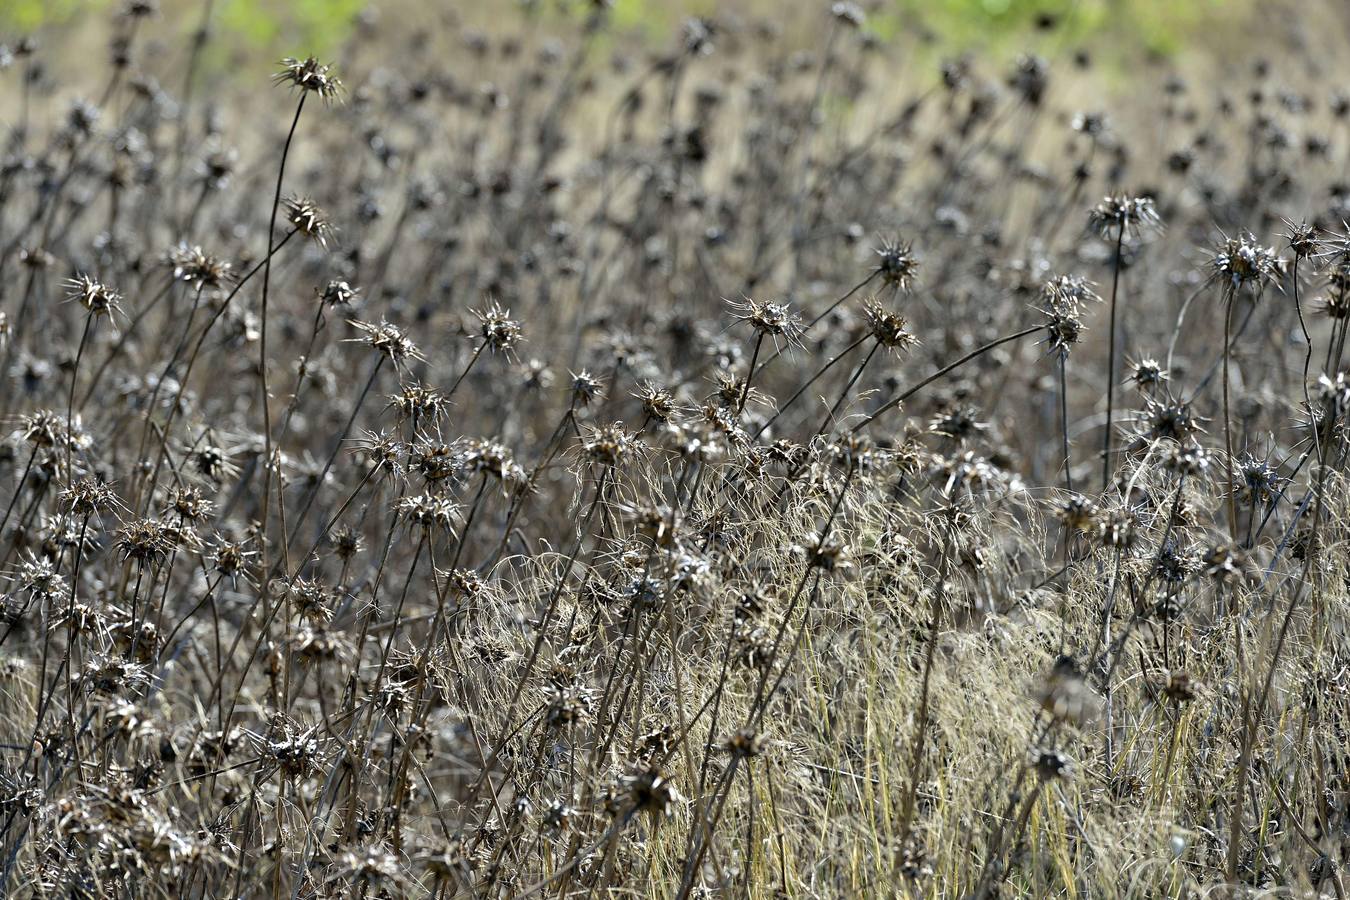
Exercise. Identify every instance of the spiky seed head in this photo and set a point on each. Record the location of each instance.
(608, 445)
(1241, 261)
(338, 293)
(768, 318)
(94, 296)
(1121, 214)
(889, 329)
(1068, 292)
(499, 331)
(306, 217)
(650, 791)
(1148, 374)
(584, 387)
(310, 75)
(388, 340)
(898, 264)
(1303, 240)
(1063, 329)
(193, 265)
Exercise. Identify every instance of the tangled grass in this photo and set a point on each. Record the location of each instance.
(723, 471)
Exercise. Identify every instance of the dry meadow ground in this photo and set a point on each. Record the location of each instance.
(772, 458)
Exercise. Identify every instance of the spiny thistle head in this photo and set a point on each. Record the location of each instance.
(388, 340)
(1241, 261)
(309, 75)
(37, 577)
(1119, 214)
(188, 504)
(650, 791)
(658, 404)
(500, 332)
(418, 403)
(305, 216)
(94, 296)
(490, 458)
(1261, 481)
(584, 387)
(41, 428)
(1118, 528)
(898, 264)
(1069, 292)
(1063, 328)
(1077, 512)
(88, 497)
(1303, 239)
(768, 319)
(1148, 374)
(890, 330)
(1168, 418)
(338, 293)
(429, 511)
(145, 541)
(609, 445)
(1189, 458)
(193, 265)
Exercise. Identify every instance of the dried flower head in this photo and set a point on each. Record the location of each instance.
(388, 340)
(193, 265)
(339, 293)
(898, 264)
(305, 216)
(145, 541)
(418, 403)
(430, 511)
(609, 445)
(649, 790)
(1188, 458)
(311, 76)
(88, 497)
(1063, 328)
(768, 319)
(1068, 292)
(500, 332)
(889, 329)
(1261, 481)
(1148, 374)
(1118, 528)
(1303, 239)
(584, 388)
(1241, 261)
(97, 298)
(1120, 214)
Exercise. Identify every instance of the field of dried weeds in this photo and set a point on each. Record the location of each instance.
(778, 458)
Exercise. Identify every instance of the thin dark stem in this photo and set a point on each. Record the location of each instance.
(1111, 363)
(950, 367)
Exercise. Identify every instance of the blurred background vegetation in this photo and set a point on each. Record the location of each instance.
(1211, 40)
(1161, 26)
